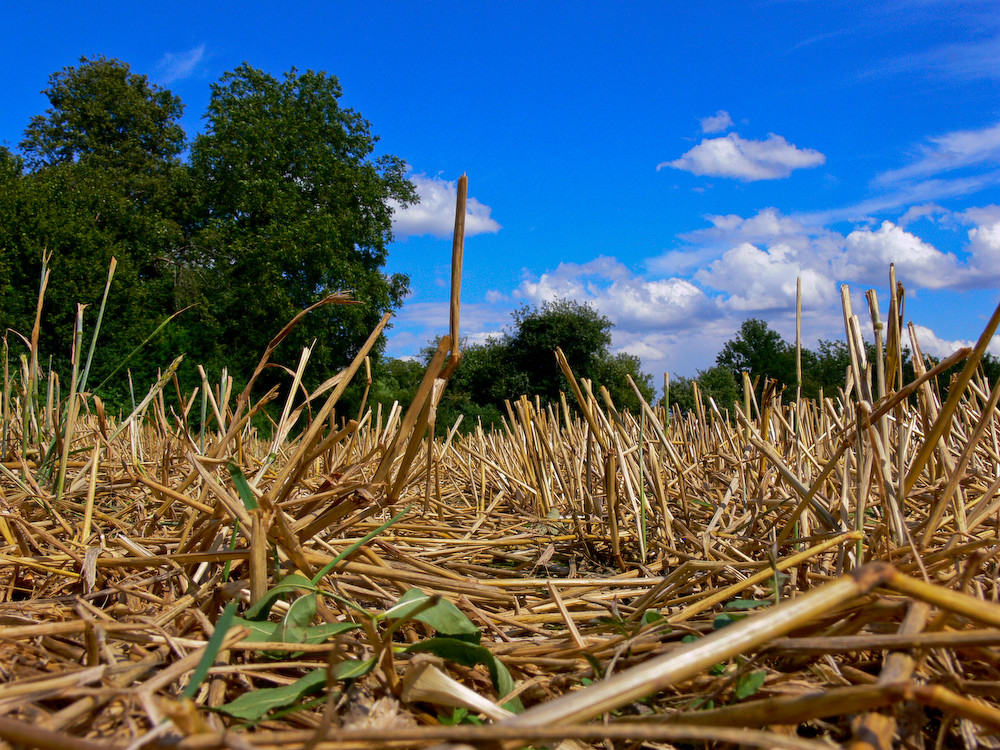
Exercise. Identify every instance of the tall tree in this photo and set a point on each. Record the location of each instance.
(102, 181)
(582, 333)
(104, 115)
(296, 205)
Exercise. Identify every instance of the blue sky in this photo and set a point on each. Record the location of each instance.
(677, 165)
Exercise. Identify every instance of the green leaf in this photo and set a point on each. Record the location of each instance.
(259, 631)
(468, 655)
(255, 704)
(726, 619)
(594, 665)
(447, 619)
(750, 683)
(352, 669)
(358, 544)
(741, 604)
(242, 486)
(222, 626)
(302, 611)
(319, 633)
(290, 584)
(650, 616)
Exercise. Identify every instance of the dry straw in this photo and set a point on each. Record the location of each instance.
(583, 574)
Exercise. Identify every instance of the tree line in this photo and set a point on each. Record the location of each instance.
(281, 200)
(769, 360)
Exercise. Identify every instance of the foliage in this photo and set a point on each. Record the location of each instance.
(104, 182)
(395, 380)
(107, 117)
(294, 207)
(522, 362)
(716, 382)
(759, 351)
(279, 202)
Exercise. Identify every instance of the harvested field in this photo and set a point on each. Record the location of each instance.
(794, 575)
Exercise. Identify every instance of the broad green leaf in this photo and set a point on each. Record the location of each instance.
(352, 669)
(750, 683)
(256, 703)
(319, 633)
(302, 611)
(259, 631)
(726, 619)
(650, 616)
(447, 619)
(468, 655)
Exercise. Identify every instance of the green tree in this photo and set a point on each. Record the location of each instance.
(523, 362)
(295, 206)
(395, 380)
(105, 116)
(825, 368)
(579, 330)
(716, 382)
(102, 181)
(760, 351)
(719, 384)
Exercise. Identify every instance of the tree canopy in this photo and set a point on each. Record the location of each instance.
(104, 115)
(280, 201)
(295, 206)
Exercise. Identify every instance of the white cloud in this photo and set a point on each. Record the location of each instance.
(955, 150)
(922, 211)
(435, 213)
(984, 243)
(732, 156)
(869, 253)
(716, 123)
(629, 301)
(974, 59)
(418, 324)
(767, 226)
(757, 280)
(175, 66)
(931, 344)
(904, 194)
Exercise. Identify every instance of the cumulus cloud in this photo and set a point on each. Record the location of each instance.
(933, 345)
(984, 243)
(768, 226)
(943, 153)
(869, 253)
(175, 66)
(629, 301)
(434, 215)
(759, 280)
(716, 123)
(738, 158)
